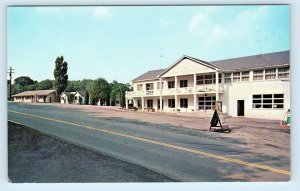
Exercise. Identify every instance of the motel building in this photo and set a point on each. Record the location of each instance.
(36, 96)
(254, 86)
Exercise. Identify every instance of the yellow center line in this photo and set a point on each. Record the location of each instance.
(198, 152)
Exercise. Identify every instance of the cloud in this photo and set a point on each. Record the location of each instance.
(250, 25)
(165, 21)
(200, 25)
(102, 12)
(48, 10)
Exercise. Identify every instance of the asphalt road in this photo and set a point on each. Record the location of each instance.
(34, 157)
(181, 154)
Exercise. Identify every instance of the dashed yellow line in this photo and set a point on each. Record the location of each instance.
(198, 152)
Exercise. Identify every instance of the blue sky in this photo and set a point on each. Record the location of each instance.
(120, 43)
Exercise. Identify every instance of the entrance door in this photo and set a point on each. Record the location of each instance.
(150, 103)
(240, 107)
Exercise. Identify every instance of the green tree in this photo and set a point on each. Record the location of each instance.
(30, 87)
(87, 97)
(24, 81)
(90, 91)
(117, 94)
(17, 88)
(71, 98)
(44, 85)
(60, 75)
(99, 90)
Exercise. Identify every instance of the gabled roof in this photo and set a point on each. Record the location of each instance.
(256, 61)
(81, 92)
(242, 63)
(66, 93)
(190, 58)
(150, 75)
(34, 93)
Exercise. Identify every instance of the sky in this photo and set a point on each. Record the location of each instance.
(122, 42)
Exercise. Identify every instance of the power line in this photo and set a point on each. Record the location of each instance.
(225, 29)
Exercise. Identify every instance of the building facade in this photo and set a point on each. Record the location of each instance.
(255, 86)
(38, 96)
(79, 97)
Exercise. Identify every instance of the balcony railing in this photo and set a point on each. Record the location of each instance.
(178, 91)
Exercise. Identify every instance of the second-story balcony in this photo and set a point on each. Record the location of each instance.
(211, 88)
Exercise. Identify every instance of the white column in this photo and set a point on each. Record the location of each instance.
(195, 96)
(126, 99)
(160, 95)
(176, 104)
(217, 86)
(143, 102)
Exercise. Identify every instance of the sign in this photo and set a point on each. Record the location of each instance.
(217, 125)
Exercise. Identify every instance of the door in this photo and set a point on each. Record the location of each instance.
(240, 107)
(149, 103)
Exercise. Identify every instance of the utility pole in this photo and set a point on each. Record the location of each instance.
(10, 71)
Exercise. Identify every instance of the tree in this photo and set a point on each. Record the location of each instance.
(17, 88)
(30, 87)
(87, 97)
(99, 90)
(44, 85)
(71, 98)
(76, 85)
(24, 81)
(118, 93)
(60, 75)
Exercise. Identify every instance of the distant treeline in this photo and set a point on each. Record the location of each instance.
(97, 90)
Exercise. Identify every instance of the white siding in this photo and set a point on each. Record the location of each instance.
(245, 91)
(187, 67)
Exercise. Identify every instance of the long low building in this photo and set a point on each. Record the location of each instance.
(41, 96)
(254, 86)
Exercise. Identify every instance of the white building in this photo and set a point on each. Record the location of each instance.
(254, 86)
(64, 97)
(36, 96)
(79, 97)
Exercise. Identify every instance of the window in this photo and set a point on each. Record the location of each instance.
(171, 84)
(206, 103)
(183, 83)
(171, 103)
(268, 101)
(258, 75)
(149, 86)
(236, 76)
(207, 79)
(184, 103)
(283, 73)
(150, 103)
(219, 76)
(270, 74)
(245, 76)
(278, 101)
(139, 87)
(227, 77)
(199, 80)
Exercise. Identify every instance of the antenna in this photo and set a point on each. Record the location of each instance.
(161, 56)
